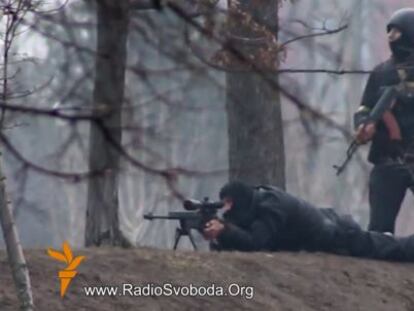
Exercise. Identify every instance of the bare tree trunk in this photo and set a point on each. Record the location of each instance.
(102, 219)
(15, 254)
(256, 147)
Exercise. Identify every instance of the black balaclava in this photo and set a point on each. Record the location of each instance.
(403, 47)
(242, 212)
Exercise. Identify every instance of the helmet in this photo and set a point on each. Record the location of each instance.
(403, 20)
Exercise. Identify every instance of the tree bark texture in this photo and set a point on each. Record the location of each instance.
(256, 147)
(102, 220)
(15, 254)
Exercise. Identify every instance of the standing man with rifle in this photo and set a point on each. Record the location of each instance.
(392, 149)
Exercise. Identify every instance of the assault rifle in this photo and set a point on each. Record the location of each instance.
(384, 103)
(197, 214)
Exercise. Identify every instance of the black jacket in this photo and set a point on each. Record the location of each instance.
(282, 222)
(385, 74)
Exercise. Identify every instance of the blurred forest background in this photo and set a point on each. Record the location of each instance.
(174, 114)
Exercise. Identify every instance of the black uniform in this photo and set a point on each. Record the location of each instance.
(391, 177)
(269, 219)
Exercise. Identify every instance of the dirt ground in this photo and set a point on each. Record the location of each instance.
(277, 281)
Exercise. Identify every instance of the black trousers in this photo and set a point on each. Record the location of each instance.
(388, 184)
(351, 240)
(377, 245)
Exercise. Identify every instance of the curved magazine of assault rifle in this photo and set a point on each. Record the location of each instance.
(382, 106)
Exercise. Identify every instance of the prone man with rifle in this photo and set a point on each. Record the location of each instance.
(386, 117)
(268, 219)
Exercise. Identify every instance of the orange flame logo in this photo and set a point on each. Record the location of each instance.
(66, 275)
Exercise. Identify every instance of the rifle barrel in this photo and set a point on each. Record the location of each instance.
(173, 215)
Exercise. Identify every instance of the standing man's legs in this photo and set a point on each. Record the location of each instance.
(387, 187)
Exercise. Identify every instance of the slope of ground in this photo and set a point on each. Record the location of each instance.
(280, 281)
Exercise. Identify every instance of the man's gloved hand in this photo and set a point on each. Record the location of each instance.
(364, 133)
(212, 229)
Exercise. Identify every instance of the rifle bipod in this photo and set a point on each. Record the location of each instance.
(179, 232)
